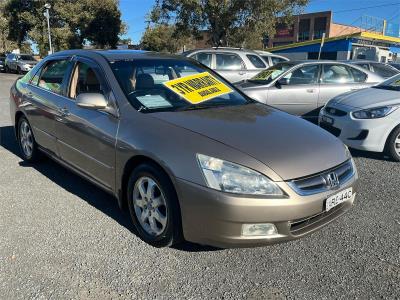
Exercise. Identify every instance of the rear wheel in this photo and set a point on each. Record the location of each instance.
(26, 141)
(7, 69)
(19, 71)
(393, 144)
(153, 206)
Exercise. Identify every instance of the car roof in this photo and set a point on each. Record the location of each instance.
(221, 49)
(113, 55)
(363, 61)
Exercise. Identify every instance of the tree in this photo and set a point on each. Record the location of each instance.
(161, 38)
(73, 23)
(227, 21)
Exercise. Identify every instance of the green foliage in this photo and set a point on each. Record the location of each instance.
(73, 23)
(161, 38)
(229, 22)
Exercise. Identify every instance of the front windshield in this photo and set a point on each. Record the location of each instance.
(172, 84)
(392, 84)
(268, 75)
(26, 57)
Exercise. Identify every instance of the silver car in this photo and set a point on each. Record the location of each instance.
(302, 88)
(19, 63)
(234, 64)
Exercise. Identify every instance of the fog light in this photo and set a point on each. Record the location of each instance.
(266, 229)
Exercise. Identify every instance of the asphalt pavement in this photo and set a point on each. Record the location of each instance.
(62, 238)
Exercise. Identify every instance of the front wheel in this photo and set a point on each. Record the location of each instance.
(26, 141)
(153, 206)
(393, 144)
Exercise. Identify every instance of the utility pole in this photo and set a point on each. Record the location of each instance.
(322, 44)
(47, 6)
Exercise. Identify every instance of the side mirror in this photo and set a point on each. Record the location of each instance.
(282, 81)
(91, 101)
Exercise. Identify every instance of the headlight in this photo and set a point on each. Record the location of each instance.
(374, 113)
(232, 178)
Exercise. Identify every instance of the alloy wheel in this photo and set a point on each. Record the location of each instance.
(150, 206)
(26, 139)
(397, 145)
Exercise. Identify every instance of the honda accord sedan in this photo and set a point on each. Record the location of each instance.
(189, 155)
(368, 119)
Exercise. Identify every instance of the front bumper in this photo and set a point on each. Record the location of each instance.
(214, 218)
(361, 134)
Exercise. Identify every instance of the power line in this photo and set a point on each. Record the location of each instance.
(368, 7)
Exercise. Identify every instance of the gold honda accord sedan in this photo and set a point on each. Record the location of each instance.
(190, 156)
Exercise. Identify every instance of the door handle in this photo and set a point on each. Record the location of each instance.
(64, 112)
(310, 90)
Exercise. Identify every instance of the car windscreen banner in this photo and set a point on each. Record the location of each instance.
(198, 88)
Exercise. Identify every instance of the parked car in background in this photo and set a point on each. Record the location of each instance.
(368, 119)
(270, 58)
(2, 64)
(188, 154)
(382, 69)
(303, 87)
(20, 63)
(234, 64)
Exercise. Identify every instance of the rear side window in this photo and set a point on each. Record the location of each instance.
(229, 61)
(52, 76)
(384, 70)
(256, 61)
(358, 75)
(204, 58)
(336, 74)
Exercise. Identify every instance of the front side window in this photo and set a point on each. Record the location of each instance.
(146, 84)
(84, 80)
(26, 57)
(336, 74)
(270, 74)
(52, 76)
(229, 61)
(204, 58)
(256, 61)
(276, 60)
(303, 75)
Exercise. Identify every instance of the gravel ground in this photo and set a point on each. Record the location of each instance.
(62, 238)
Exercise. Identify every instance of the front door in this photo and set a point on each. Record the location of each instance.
(298, 92)
(87, 137)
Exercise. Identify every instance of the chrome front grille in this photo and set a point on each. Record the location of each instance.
(321, 182)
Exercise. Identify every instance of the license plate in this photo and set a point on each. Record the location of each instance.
(327, 120)
(340, 197)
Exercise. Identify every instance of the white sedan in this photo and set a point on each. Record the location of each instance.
(367, 119)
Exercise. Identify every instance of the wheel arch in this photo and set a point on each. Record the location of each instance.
(18, 115)
(129, 166)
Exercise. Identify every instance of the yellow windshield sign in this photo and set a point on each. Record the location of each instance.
(198, 88)
(263, 75)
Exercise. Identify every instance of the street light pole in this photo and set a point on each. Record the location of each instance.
(47, 6)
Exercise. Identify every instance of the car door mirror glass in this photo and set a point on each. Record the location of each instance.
(91, 101)
(283, 81)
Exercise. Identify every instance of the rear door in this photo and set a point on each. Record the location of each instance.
(337, 79)
(230, 66)
(44, 92)
(299, 96)
(87, 137)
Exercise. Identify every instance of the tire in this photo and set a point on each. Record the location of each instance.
(163, 202)
(19, 71)
(7, 70)
(26, 141)
(393, 144)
